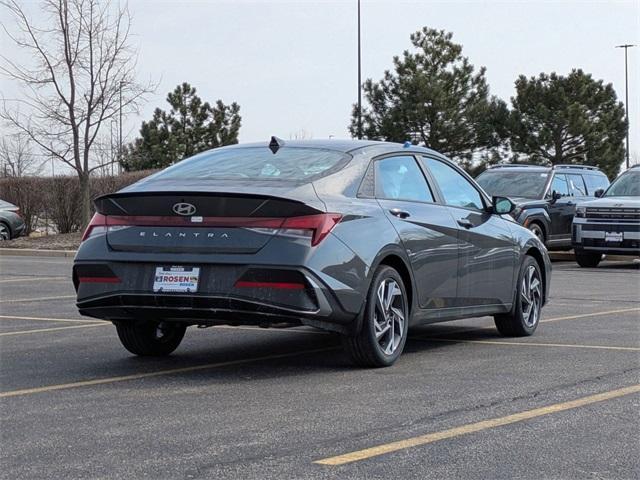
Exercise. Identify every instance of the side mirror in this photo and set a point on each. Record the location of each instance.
(502, 205)
(598, 193)
(555, 196)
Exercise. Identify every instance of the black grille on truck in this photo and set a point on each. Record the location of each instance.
(602, 213)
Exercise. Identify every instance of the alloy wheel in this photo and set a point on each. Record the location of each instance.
(389, 316)
(531, 296)
(4, 232)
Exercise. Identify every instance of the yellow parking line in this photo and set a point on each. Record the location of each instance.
(594, 314)
(40, 330)
(530, 344)
(138, 376)
(35, 279)
(475, 427)
(47, 319)
(24, 300)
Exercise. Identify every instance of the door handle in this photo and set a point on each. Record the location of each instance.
(463, 222)
(396, 212)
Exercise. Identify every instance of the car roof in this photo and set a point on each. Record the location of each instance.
(341, 145)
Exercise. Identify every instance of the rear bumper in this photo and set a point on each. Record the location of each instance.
(317, 305)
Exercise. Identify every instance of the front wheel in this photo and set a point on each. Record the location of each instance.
(155, 339)
(5, 233)
(537, 230)
(588, 259)
(383, 334)
(525, 315)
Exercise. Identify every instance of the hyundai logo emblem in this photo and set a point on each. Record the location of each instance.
(185, 209)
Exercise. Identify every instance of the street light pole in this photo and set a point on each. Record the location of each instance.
(359, 79)
(120, 133)
(626, 93)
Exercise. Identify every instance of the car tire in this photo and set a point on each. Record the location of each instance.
(385, 322)
(154, 339)
(587, 259)
(5, 232)
(538, 231)
(525, 314)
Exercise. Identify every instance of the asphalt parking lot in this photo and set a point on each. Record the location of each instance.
(255, 403)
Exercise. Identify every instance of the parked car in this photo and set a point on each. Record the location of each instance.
(363, 238)
(11, 222)
(545, 197)
(610, 224)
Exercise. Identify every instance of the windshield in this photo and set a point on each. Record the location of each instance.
(259, 163)
(513, 184)
(627, 185)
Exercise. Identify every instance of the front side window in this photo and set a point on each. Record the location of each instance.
(577, 185)
(560, 185)
(400, 178)
(456, 189)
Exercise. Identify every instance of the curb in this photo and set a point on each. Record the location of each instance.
(30, 252)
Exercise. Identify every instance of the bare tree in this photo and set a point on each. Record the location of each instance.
(301, 134)
(82, 75)
(16, 157)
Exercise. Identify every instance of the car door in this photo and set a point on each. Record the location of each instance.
(487, 255)
(561, 211)
(426, 229)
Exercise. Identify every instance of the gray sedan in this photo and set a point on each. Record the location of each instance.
(11, 222)
(363, 238)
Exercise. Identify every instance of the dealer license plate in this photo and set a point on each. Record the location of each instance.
(613, 236)
(176, 279)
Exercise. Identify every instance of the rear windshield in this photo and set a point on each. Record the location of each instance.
(513, 184)
(627, 185)
(259, 163)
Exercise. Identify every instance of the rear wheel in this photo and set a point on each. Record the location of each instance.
(154, 339)
(523, 319)
(384, 329)
(588, 259)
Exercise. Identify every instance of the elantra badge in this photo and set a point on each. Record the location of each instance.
(184, 209)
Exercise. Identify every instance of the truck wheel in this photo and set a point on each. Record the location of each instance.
(525, 315)
(381, 339)
(587, 259)
(154, 339)
(538, 232)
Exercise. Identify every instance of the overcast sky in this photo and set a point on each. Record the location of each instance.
(292, 65)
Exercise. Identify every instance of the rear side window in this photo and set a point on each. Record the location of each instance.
(577, 185)
(594, 182)
(257, 163)
(400, 178)
(560, 184)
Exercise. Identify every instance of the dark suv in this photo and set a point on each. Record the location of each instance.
(546, 197)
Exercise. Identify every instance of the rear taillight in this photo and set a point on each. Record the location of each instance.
(97, 225)
(315, 227)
